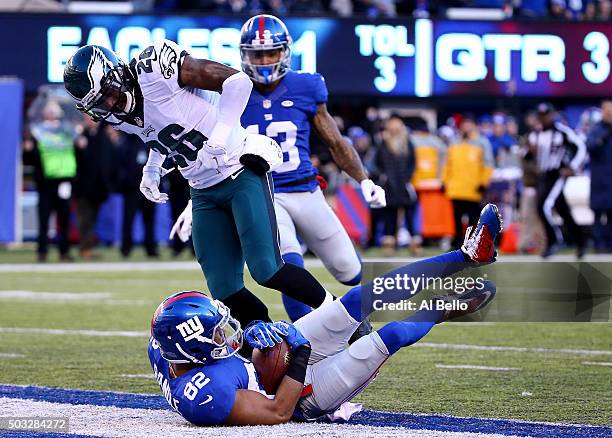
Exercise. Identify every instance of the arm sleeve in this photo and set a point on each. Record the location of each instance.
(234, 98)
(155, 158)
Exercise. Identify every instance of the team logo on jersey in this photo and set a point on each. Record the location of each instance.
(167, 59)
(267, 104)
(139, 121)
(192, 329)
(287, 103)
(148, 130)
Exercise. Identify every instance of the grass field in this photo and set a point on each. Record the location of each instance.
(551, 384)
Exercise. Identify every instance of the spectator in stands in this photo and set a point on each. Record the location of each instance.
(50, 148)
(501, 141)
(599, 10)
(430, 156)
(395, 162)
(531, 233)
(92, 184)
(599, 145)
(376, 8)
(467, 173)
(363, 145)
(130, 157)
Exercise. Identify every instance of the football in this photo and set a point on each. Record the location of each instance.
(271, 365)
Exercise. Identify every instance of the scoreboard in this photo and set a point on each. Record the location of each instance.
(403, 58)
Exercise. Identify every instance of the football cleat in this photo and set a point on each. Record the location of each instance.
(479, 243)
(470, 302)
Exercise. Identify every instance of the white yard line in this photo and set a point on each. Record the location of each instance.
(511, 349)
(103, 333)
(128, 422)
(476, 367)
(53, 296)
(138, 376)
(11, 355)
(601, 364)
(143, 334)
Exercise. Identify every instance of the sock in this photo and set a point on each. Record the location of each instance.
(295, 309)
(398, 334)
(299, 284)
(441, 265)
(246, 307)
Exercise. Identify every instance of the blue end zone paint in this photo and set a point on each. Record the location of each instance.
(369, 418)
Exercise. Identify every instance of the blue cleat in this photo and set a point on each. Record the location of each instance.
(479, 243)
(460, 305)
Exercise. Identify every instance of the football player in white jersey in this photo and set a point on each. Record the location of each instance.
(189, 110)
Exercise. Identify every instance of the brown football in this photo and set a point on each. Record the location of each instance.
(271, 365)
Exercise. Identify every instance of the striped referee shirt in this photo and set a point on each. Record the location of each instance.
(556, 147)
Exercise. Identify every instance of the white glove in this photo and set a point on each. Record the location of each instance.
(182, 226)
(373, 194)
(212, 156)
(149, 184)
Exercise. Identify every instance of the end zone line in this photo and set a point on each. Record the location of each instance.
(476, 367)
(156, 409)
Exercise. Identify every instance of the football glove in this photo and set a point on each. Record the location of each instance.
(149, 184)
(261, 335)
(292, 335)
(182, 226)
(373, 194)
(261, 154)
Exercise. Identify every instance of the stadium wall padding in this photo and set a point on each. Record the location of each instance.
(11, 111)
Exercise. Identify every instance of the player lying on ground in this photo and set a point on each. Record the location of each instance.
(188, 110)
(193, 349)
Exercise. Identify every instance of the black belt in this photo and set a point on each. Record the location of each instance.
(297, 182)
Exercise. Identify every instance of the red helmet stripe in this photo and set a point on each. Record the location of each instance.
(261, 28)
(181, 296)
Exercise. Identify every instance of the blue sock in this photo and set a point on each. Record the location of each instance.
(441, 265)
(398, 334)
(294, 308)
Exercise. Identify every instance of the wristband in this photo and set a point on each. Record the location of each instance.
(298, 364)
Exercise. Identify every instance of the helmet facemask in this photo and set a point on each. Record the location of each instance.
(117, 85)
(265, 73)
(224, 340)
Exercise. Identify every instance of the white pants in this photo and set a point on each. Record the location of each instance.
(309, 216)
(336, 373)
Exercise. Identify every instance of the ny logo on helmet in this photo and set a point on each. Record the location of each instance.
(192, 329)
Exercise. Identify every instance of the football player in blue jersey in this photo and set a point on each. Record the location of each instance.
(284, 105)
(195, 341)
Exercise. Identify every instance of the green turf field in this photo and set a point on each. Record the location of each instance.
(549, 385)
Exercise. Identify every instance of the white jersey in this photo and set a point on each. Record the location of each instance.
(176, 121)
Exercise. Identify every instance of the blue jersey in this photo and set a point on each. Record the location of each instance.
(205, 395)
(285, 115)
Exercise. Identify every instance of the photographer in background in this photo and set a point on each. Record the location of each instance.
(599, 146)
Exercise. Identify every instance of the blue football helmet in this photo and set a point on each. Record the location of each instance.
(265, 33)
(190, 327)
(100, 82)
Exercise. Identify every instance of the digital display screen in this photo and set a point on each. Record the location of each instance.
(357, 57)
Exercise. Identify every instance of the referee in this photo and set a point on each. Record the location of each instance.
(559, 153)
